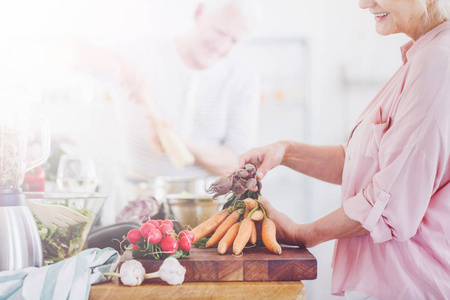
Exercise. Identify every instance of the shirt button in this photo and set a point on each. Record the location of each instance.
(348, 157)
(384, 198)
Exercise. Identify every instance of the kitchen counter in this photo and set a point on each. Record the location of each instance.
(201, 290)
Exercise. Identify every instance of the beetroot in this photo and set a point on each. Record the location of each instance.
(238, 182)
(221, 186)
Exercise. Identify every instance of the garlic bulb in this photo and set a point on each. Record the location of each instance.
(132, 273)
(171, 271)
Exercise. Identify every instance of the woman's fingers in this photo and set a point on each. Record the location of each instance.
(257, 157)
(285, 226)
(266, 204)
(264, 158)
(250, 157)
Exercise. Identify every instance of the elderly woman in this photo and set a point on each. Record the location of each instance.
(393, 229)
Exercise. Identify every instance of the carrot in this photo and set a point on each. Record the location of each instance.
(223, 228)
(253, 236)
(246, 213)
(250, 203)
(257, 215)
(245, 231)
(228, 238)
(269, 236)
(209, 225)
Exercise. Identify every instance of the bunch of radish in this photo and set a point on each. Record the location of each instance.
(235, 225)
(157, 239)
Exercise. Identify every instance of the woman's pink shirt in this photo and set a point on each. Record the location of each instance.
(396, 182)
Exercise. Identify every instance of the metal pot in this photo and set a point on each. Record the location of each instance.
(191, 210)
(165, 185)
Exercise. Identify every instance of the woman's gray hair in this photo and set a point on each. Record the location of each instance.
(443, 7)
(250, 9)
(439, 8)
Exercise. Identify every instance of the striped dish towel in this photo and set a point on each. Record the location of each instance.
(67, 279)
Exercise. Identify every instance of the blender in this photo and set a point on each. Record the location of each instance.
(20, 244)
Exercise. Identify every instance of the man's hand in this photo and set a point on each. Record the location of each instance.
(133, 82)
(155, 141)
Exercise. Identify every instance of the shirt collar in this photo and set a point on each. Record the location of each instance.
(409, 49)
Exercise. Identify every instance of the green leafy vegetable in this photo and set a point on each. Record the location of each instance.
(59, 243)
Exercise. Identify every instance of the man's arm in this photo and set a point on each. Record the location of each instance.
(218, 160)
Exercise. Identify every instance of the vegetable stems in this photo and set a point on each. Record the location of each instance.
(253, 210)
(263, 210)
(151, 275)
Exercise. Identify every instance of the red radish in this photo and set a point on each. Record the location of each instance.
(165, 229)
(134, 235)
(189, 234)
(135, 247)
(159, 222)
(154, 222)
(168, 222)
(154, 236)
(169, 245)
(146, 228)
(185, 243)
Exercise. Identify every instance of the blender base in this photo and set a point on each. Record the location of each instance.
(20, 244)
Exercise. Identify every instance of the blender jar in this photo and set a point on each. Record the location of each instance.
(13, 147)
(20, 244)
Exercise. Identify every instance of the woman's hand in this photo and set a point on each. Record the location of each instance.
(264, 158)
(322, 162)
(288, 232)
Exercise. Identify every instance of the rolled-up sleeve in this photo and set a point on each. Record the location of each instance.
(393, 205)
(411, 155)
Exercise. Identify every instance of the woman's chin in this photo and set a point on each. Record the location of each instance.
(381, 30)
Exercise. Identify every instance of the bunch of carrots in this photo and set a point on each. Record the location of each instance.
(229, 231)
(235, 224)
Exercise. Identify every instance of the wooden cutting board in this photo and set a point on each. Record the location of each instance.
(257, 264)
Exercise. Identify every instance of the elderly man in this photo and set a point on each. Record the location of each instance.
(209, 97)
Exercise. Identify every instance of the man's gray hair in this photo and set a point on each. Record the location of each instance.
(250, 9)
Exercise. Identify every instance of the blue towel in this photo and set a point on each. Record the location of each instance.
(67, 279)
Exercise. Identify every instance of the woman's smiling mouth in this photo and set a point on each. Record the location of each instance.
(379, 16)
